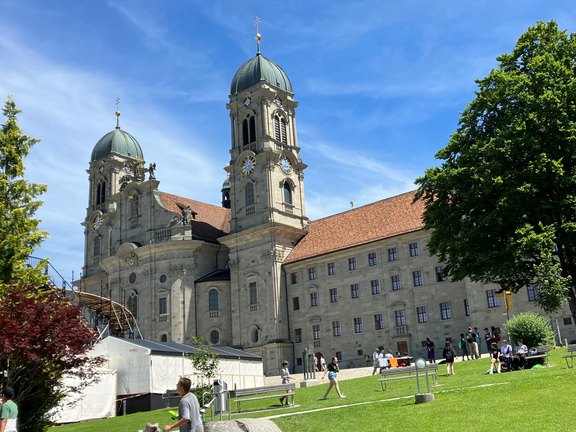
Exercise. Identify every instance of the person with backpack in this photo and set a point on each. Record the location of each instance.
(449, 355)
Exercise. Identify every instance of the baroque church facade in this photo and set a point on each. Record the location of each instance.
(255, 273)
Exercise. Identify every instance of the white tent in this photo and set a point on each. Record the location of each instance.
(146, 369)
(95, 401)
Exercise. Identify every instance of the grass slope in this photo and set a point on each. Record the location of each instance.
(541, 400)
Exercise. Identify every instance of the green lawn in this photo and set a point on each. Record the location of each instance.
(541, 400)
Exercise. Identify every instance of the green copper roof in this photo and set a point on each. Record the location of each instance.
(258, 69)
(118, 142)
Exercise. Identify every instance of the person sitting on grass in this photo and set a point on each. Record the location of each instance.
(494, 358)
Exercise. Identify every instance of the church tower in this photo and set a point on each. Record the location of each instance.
(266, 176)
(116, 161)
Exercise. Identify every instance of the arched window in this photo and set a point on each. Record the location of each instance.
(97, 246)
(100, 192)
(214, 337)
(133, 304)
(287, 193)
(213, 300)
(248, 130)
(134, 205)
(249, 195)
(280, 129)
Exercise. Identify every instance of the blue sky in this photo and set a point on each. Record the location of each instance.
(380, 86)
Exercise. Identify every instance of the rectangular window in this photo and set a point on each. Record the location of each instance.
(372, 259)
(567, 320)
(393, 254)
(297, 335)
(293, 278)
(395, 280)
(316, 332)
(253, 293)
(417, 278)
(163, 306)
(414, 249)
(333, 295)
(445, 311)
(355, 291)
(312, 273)
(313, 299)
(375, 286)
(358, 325)
(422, 314)
(352, 263)
(466, 307)
(336, 330)
(331, 269)
(440, 274)
(400, 318)
(378, 322)
(533, 293)
(491, 298)
(295, 303)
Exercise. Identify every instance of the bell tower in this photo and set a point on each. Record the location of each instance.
(268, 217)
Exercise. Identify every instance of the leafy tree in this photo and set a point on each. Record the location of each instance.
(42, 335)
(502, 205)
(531, 328)
(206, 362)
(43, 338)
(19, 231)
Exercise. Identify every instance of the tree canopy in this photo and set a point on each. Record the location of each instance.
(42, 334)
(20, 234)
(502, 204)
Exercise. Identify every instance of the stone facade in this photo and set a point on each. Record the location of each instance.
(256, 274)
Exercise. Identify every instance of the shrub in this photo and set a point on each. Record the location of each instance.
(532, 328)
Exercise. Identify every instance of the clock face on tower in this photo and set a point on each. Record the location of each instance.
(248, 165)
(285, 165)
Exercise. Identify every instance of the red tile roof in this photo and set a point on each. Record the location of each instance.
(383, 219)
(210, 221)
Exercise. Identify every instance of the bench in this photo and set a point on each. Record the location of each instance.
(407, 372)
(541, 356)
(267, 392)
(570, 356)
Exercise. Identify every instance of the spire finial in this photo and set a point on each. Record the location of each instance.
(117, 113)
(258, 37)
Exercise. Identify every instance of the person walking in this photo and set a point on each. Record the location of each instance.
(332, 369)
(463, 345)
(8, 411)
(188, 409)
(286, 378)
(449, 355)
(430, 350)
(375, 361)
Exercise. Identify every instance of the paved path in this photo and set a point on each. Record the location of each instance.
(344, 374)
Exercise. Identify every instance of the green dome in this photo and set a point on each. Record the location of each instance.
(258, 69)
(119, 142)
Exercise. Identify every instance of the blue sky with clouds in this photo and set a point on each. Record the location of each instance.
(380, 87)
